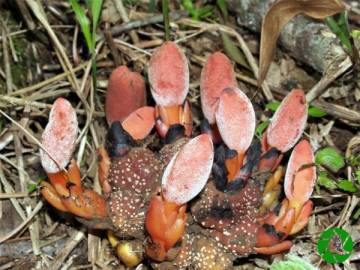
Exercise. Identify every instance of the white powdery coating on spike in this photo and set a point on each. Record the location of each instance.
(59, 136)
(236, 120)
(292, 131)
(188, 171)
(163, 84)
(297, 177)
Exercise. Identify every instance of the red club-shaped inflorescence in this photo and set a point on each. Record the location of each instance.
(169, 75)
(126, 92)
(65, 192)
(296, 208)
(188, 171)
(235, 117)
(288, 122)
(184, 177)
(59, 137)
(216, 75)
(285, 129)
(169, 84)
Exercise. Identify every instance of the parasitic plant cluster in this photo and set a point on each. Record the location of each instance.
(200, 201)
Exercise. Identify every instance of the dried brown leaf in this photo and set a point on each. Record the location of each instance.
(280, 14)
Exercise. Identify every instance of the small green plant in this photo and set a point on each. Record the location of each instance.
(197, 14)
(339, 26)
(89, 31)
(330, 159)
(34, 185)
(261, 128)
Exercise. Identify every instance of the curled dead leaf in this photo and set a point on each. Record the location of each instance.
(280, 14)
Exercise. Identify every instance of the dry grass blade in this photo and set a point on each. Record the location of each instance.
(280, 14)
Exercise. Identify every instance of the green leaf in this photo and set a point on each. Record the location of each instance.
(355, 34)
(189, 7)
(261, 128)
(272, 106)
(341, 29)
(325, 181)
(222, 6)
(233, 51)
(293, 262)
(95, 12)
(316, 112)
(31, 187)
(357, 175)
(330, 158)
(165, 12)
(197, 13)
(84, 23)
(347, 185)
(204, 12)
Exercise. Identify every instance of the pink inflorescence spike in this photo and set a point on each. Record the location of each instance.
(169, 75)
(59, 136)
(300, 174)
(126, 92)
(288, 122)
(235, 117)
(188, 171)
(216, 75)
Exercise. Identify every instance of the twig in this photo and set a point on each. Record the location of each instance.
(346, 217)
(9, 189)
(25, 14)
(330, 75)
(338, 111)
(254, 66)
(352, 144)
(117, 30)
(39, 85)
(113, 50)
(149, 43)
(7, 266)
(2, 74)
(12, 101)
(119, 41)
(6, 59)
(16, 195)
(34, 226)
(5, 139)
(123, 14)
